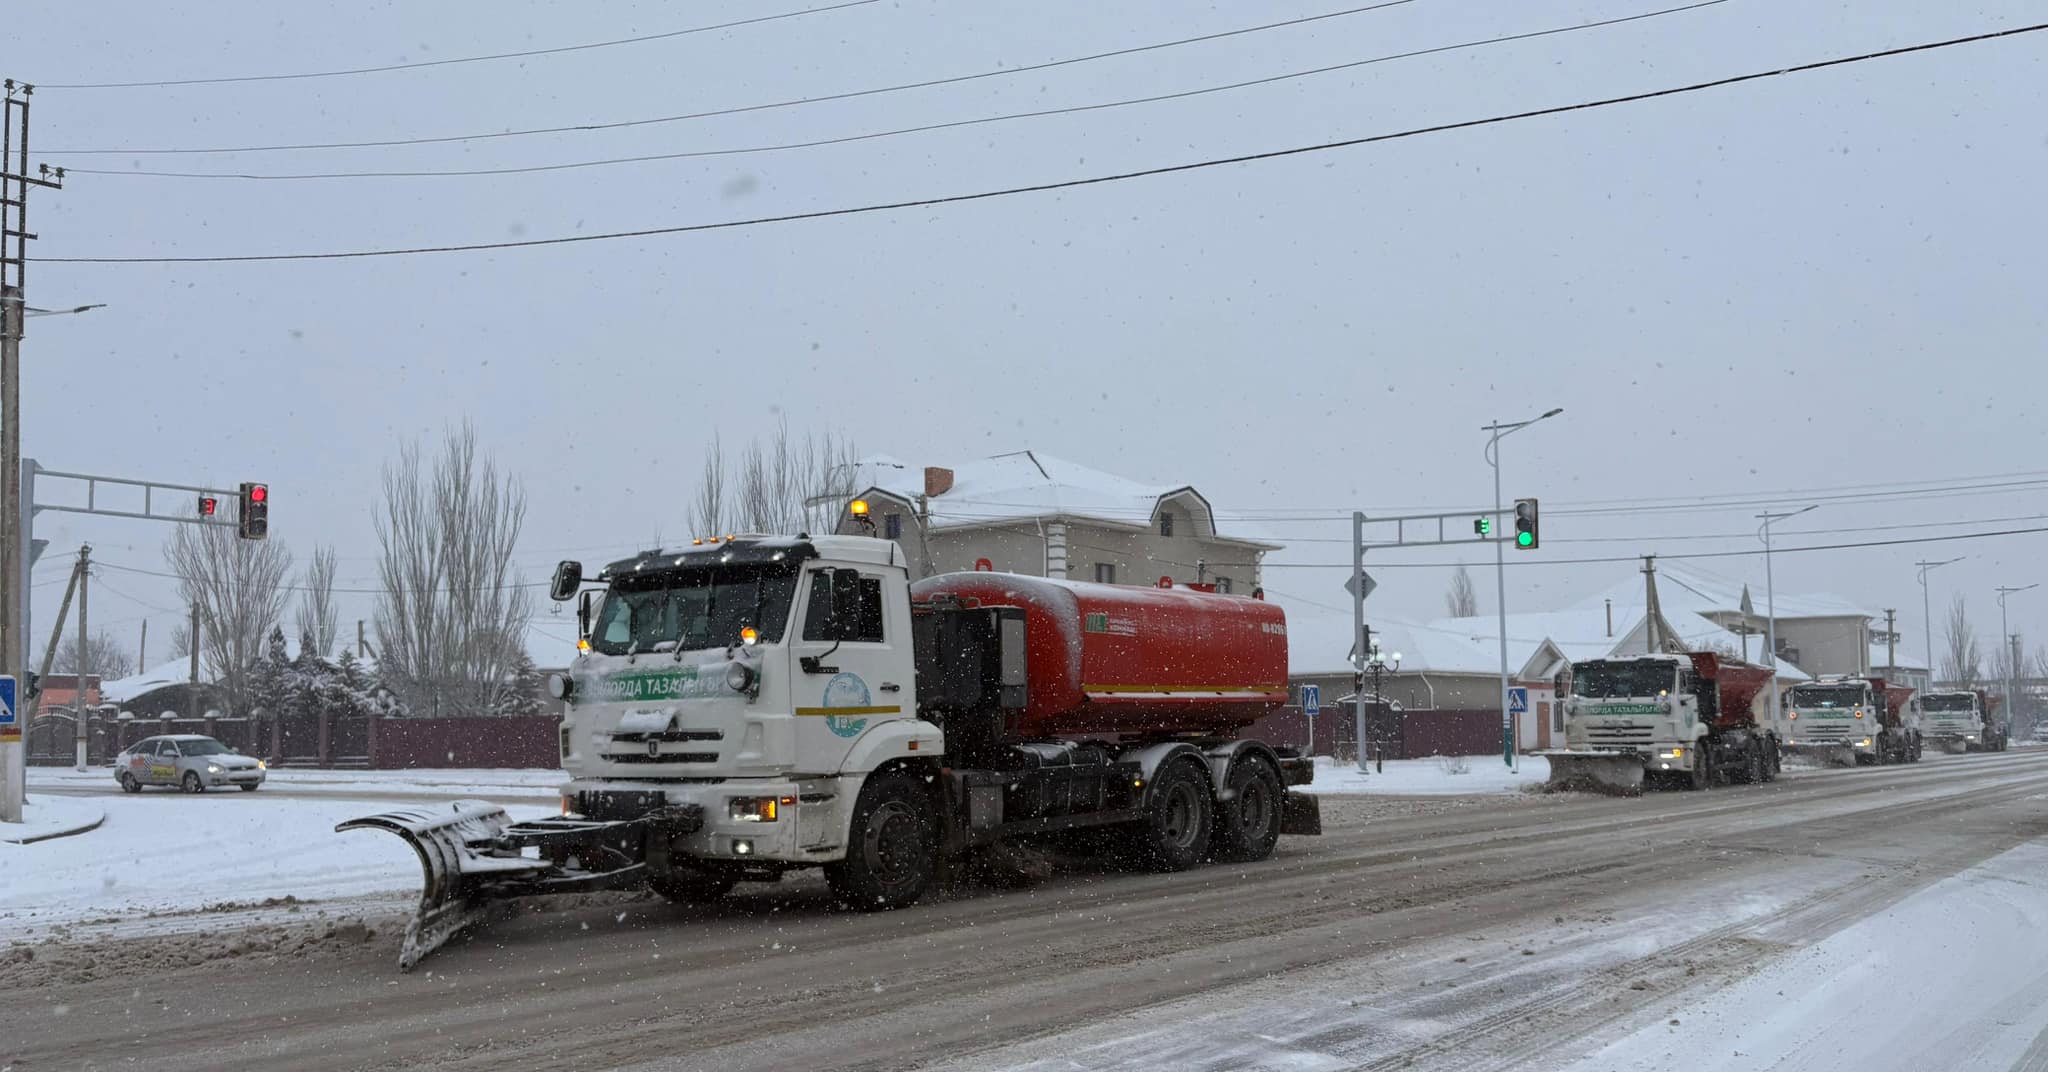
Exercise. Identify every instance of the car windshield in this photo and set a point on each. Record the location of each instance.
(694, 609)
(1954, 701)
(205, 746)
(1617, 679)
(1828, 696)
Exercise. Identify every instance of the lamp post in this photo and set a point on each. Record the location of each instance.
(1500, 579)
(1379, 661)
(1927, 614)
(2012, 704)
(1771, 603)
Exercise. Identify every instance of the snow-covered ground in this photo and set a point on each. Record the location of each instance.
(1438, 776)
(1953, 977)
(52, 817)
(164, 852)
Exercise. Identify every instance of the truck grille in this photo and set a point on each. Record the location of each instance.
(1824, 730)
(668, 735)
(661, 757)
(1629, 733)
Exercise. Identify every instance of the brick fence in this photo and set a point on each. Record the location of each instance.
(360, 743)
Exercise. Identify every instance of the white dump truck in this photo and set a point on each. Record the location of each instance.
(753, 706)
(1961, 720)
(1849, 719)
(1690, 719)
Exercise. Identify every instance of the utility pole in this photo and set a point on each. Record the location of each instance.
(1927, 619)
(14, 753)
(1509, 744)
(84, 652)
(2005, 634)
(192, 686)
(1891, 643)
(15, 181)
(142, 648)
(1771, 604)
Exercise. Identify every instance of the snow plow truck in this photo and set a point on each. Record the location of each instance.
(1847, 720)
(1962, 720)
(1688, 719)
(748, 707)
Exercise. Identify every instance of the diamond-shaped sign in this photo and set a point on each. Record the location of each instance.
(1352, 583)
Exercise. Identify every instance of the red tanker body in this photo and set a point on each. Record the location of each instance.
(1111, 660)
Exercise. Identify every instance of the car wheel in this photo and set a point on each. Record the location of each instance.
(128, 783)
(192, 784)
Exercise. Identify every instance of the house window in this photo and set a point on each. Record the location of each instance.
(1105, 573)
(892, 526)
(1223, 585)
(1165, 524)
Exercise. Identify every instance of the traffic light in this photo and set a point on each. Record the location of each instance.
(208, 506)
(1525, 525)
(1482, 526)
(255, 519)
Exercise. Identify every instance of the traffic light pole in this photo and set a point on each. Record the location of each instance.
(1511, 754)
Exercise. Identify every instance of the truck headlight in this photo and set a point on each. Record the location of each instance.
(1676, 753)
(753, 809)
(739, 677)
(1864, 743)
(559, 686)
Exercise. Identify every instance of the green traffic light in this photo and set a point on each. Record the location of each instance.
(1524, 539)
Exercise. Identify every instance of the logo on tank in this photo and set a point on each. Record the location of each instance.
(845, 690)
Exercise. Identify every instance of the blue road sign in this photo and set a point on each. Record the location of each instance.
(1518, 701)
(6, 700)
(1311, 700)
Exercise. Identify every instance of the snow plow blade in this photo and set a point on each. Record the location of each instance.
(1618, 773)
(472, 853)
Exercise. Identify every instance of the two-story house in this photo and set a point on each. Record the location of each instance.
(1031, 513)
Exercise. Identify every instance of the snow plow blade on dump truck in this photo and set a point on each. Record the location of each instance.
(472, 853)
(1600, 772)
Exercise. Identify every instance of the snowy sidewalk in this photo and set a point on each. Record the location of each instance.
(1954, 977)
(48, 818)
(540, 784)
(1437, 776)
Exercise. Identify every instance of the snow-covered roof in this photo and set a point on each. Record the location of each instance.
(125, 690)
(1320, 642)
(1899, 657)
(1029, 484)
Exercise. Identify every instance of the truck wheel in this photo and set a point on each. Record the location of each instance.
(1699, 777)
(1772, 760)
(1248, 821)
(685, 885)
(1752, 765)
(1174, 834)
(891, 846)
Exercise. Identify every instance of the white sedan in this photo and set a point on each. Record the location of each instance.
(186, 761)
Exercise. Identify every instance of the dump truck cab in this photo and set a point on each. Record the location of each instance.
(744, 687)
(1960, 720)
(1648, 705)
(1860, 720)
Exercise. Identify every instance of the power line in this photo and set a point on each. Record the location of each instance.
(1064, 184)
(1637, 558)
(578, 128)
(1697, 536)
(879, 134)
(459, 59)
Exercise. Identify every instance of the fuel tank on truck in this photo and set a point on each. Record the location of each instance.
(1110, 659)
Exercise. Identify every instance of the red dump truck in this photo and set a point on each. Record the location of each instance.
(755, 706)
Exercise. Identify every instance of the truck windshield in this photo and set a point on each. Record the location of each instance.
(1954, 701)
(1827, 696)
(693, 609)
(1603, 679)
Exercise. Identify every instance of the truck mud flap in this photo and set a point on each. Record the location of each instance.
(1301, 813)
(471, 853)
(1617, 773)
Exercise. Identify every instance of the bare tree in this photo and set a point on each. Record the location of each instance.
(1461, 600)
(783, 485)
(108, 658)
(1962, 663)
(452, 618)
(238, 586)
(317, 618)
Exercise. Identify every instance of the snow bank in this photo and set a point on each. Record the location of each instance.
(52, 817)
(174, 852)
(1953, 977)
(1438, 776)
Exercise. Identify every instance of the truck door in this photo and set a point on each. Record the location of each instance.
(853, 669)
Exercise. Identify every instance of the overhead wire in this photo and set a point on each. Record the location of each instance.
(577, 128)
(848, 139)
(1066, 184)
(417, 64)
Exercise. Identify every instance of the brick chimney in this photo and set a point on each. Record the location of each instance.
(937, 481)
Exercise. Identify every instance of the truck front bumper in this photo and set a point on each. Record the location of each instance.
(1652, 757)
(721, 832)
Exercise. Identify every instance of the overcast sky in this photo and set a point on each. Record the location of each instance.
(1798, 284)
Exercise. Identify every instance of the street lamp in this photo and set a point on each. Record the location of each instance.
(30, 310)
(2012, 705)
(1927, 614)
(1771, 601)
(1500, 578)
(1379, 661)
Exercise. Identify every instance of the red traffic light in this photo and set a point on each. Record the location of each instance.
(208, 506)
(259, 493)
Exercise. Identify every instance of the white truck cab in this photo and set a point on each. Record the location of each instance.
(1643, 704)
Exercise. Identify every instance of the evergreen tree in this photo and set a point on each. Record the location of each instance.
(523, 698)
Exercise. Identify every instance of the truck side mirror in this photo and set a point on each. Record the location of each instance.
(845, 606)
(568, 578)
